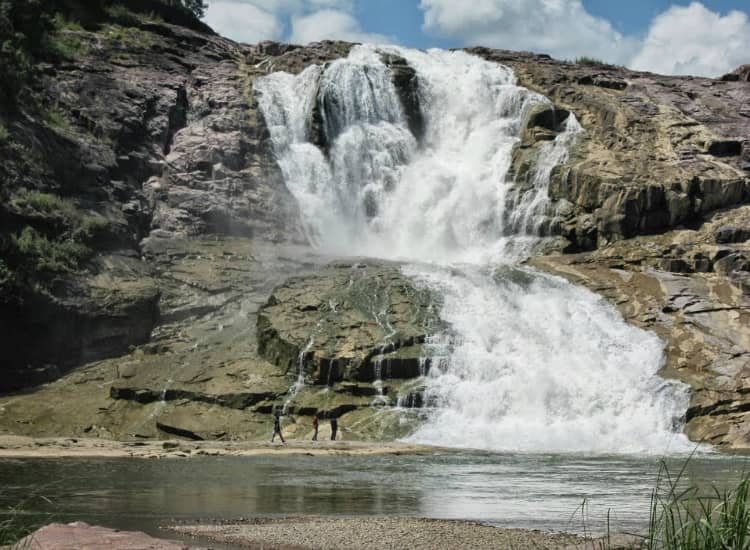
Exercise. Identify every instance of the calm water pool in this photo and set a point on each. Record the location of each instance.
(510, 490)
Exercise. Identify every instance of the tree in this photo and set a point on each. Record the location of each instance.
(198, 7)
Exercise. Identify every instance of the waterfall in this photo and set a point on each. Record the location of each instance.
(532, 362)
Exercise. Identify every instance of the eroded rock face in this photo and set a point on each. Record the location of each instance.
(657, 152)
(353, 321)
(406, 81)
(162, 139)
(692, 288)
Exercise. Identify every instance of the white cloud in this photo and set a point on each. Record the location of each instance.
(243, 22)
(561, 28)
(331, 24)
(255, 20)
(694, 40)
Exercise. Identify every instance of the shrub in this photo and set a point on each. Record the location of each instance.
(55, 239)
(66, 41)
(584, 60)
(52, 256)
(131, 37)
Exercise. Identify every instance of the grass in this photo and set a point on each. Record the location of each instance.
(65, 217)
(13, 529)
(4, 133)
(121, 14)
(686, 520)
(16, 524)
(57, 118)
(66, 38)
(47, 254)
(55, 239)
(131, 37)
(585, 60)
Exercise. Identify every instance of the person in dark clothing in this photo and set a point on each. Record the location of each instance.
(315, 427)
(334, 427)
(277, 427)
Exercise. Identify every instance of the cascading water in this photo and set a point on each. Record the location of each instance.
(532, 363)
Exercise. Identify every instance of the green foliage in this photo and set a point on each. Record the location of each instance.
(55, 239)
(685, 520)
(41, 254)
(59, 214)
(13, 528)
(132, 37)
(120, 14)
(57, 118)
(15, 523)
(24, 25)
(584, 60)
(66, 41)
(62, 23)
(197, 7)
(4, 133)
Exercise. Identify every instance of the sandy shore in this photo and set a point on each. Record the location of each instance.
(366, 532)
(12, 446)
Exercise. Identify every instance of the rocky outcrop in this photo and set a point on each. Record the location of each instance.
(353, 321)
(691, 288)
(740, 74)
(657, 152)
(153, 133)
(406, 81)
(150, 147)
(58, 536)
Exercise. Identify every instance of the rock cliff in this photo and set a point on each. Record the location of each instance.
(193, 304)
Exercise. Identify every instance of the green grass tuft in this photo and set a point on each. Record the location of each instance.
(55, 238)
(584, 60)
(66, 40)
(685, 520)
(131, 37)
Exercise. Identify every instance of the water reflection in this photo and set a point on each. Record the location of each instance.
(533, 491)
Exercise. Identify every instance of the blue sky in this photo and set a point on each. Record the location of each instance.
(674, 37)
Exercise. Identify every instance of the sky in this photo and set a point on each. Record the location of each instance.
(707, 38)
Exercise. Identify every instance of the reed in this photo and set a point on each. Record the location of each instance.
(683, 519)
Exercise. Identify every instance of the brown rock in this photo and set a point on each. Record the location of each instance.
(79, 535)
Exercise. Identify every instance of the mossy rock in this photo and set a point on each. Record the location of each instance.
(347, 322)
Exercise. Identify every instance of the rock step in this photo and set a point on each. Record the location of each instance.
(233, 401)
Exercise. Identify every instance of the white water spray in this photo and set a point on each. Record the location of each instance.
(533, 363)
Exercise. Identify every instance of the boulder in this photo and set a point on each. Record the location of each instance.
(349, 322)
(58, 536)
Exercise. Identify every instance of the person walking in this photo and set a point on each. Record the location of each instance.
(334, 427)
(315, 427)
(277, 427)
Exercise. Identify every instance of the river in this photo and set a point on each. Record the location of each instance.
(535, 491)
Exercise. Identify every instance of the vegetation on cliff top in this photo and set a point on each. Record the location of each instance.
(32, 30)
(43, 233)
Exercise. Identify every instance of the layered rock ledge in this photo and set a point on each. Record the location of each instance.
(692, 288)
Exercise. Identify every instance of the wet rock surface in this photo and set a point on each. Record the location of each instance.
(359, 322)
(694, 293)
(168, 326)
(657, 152)
(201, 376)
